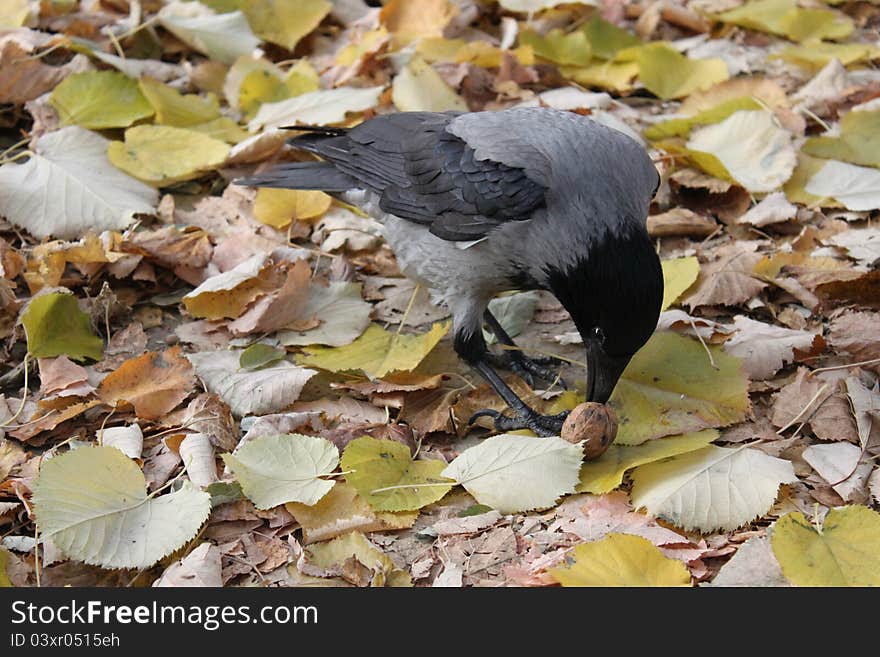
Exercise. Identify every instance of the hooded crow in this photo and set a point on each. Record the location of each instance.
(475, 204)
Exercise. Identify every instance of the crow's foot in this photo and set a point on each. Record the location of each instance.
(530, 369)
(543, 425)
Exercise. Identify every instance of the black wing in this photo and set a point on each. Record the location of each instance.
(421, 173)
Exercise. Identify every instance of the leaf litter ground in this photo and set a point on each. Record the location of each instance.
(250, 370)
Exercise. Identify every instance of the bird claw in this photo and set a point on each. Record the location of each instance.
(531, 369)
(542, 425)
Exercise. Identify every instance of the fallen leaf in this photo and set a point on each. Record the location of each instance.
(99, 100)
(267, 390)
(409, 20)
(751, 147)
(815, 401)
(227, 295)
(372, 465)
(341, 511)
(282, 22)
(843, 551)
(572, 49)
(754, 564)
(857, 141)
(680, 222)
(605, 473)
(223, 37)
(727, 281)
(278, 207)
(839, 465)
(419, 88)
(153, 383)
(201, 567)
(514, 473)
(678, 275)
(341, 311)
(854, 333)
(377, 352)
(162, 155)
(176, 109)
(772, 209)
(70, 168)
(260, 354)
(620, 560)
(765, 348)
(786, 18)
(276, 469)
(711, 488)
(280, 308)
(670, 387)
(668, 74)
(92, 502)
(55, 326)
(197, 455)
(127, 439)
(862, 245)
(320, 107)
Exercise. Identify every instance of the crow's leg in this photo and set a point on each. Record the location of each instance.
(517, 362)
(525, 417)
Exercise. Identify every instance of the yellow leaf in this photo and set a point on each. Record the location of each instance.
(572, 49)
(670, 387)
(345, 553)
(605, 473)
(678, 275)
(616, 76)
(223, 129)
(13, 14)
(620, 560)
(760, 89)
(409, 20)
(372, 464)
(859, 140)
(377, 352)
(278, 207)
(341, 511)
(176, 109)
(786, 18)
(683, 127)
(668, 74)
(368, 43)
(285, 22)
(99, 99)
(606, 39)
(301, 78)
(817, 55)
(161, 155)
(795, 187)
(845, 551)
(419, 88)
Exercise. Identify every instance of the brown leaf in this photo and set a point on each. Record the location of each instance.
(727, 281)
(172, 246)
(680, 222)
(62, 377)
(857, 334)
(46, 421)
(345, 433)
(862, 289)
(24, 77)
(828, 415)
(153, 383)
(210, 415)
(279, 308)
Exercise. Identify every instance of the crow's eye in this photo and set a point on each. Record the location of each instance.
(598, 333)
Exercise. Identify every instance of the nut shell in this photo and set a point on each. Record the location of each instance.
(595, 424)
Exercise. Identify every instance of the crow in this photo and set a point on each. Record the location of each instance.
(476, 204)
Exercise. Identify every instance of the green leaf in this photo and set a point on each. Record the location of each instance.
(329, 559)
(223, 492)
(670, 387)
(606, 39)
(259, 354)
(605, 473)
(285, 22)
(514, 473)
(162, 155)
(620, 560)
(176, 109)
(377, 352)
(513, 312)
(817, 55)
(93, 503)
(667, 73)
(283, 468)
(683, 127)
(678, 275)
(858, 143)
(55, 326)
(844, 551)
(786, 18)
(572, 49)
(373, 464)
(99, 100)
(711, 488)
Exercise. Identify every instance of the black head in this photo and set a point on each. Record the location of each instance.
(613, 293)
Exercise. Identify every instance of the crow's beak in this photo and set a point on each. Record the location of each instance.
(603, 371)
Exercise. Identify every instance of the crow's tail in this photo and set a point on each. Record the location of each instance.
(302, 175)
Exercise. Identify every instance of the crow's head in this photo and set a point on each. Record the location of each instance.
(613, 293)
